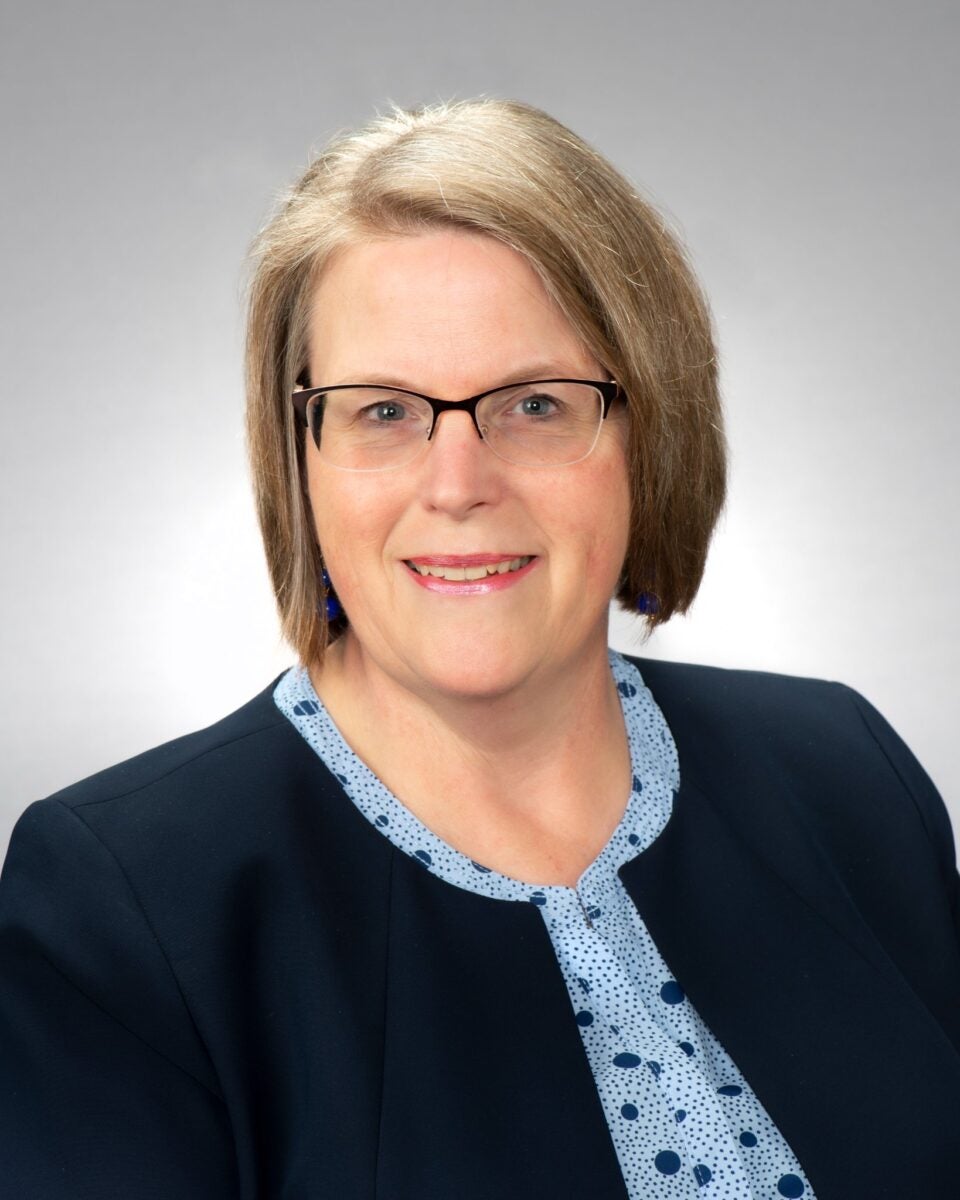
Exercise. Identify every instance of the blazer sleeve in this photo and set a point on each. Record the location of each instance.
(105, 1087)
(927, 800)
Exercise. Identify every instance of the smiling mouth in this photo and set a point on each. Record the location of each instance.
(458, 574)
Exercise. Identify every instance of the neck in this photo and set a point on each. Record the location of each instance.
(544, 765)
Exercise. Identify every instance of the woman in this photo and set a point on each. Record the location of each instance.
(466, 905)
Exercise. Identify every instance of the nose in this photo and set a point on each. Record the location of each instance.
(460, 471)
(442, 408)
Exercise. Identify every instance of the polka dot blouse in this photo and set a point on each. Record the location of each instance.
(683, 1119)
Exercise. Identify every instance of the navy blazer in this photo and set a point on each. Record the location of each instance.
(218, 980)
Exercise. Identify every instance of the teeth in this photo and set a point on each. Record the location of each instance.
(456, 574)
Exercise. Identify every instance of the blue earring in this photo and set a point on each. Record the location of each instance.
(332, 605)
(647, 603)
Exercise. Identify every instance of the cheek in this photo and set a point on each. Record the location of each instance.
(589, 528)
(352, 518)
(608, 550)
(610, 514)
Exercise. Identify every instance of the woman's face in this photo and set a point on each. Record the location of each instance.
(451, 314)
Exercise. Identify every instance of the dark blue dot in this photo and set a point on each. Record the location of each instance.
(477, 867)
(584, 983)
(584, 1017)
(686, 1048)
(637, 784)
(634, 839)
(790, 1186)
(667, 1163)
(747, 1138)
(538, 898)
(680, 1114)
(381, 820)
(702, 1174)
(626, 1060)
(630, 1111)
(626, 689)
(423, 856)
(729, 1089)
(671, 992)
(654, 1068)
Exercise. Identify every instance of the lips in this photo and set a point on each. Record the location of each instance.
(471, 567)
(458, 575)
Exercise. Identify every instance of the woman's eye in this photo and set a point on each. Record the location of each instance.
(539, 405)
(384, 413)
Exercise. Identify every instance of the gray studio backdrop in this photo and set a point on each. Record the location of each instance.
(807, 155)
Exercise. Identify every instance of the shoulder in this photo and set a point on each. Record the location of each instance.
(231, 744)
(83, 881)
(118, 880)
(207, 797)
(759, 741)
(227, 776)
(721, 715)
(723, 697)
(728, 720)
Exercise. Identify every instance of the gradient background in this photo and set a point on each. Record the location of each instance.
(808, 155)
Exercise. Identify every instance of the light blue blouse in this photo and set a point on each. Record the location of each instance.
(683, 1119)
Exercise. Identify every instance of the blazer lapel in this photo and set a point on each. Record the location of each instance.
(778, 963)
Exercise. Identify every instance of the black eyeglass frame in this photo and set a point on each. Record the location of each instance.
(609, 391)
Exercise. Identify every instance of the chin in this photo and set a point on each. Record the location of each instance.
(471, 672)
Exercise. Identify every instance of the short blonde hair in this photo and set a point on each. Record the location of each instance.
(508, 170)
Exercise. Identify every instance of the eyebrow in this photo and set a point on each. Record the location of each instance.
(531, 371)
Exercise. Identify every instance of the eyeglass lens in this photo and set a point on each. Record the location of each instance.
(540, 424)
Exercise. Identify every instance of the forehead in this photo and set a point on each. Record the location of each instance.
(446, 309)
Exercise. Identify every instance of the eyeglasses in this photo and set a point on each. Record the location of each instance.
(538, 423)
